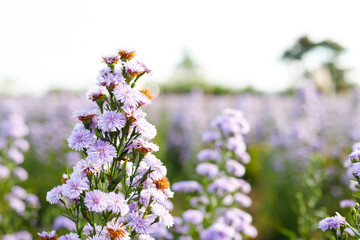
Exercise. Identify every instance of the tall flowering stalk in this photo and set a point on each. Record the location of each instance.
(119, 188)
(18, 209)
(339, 226)
(220, 192)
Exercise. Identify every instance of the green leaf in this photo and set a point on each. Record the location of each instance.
(357, 197)
(288, 233)
(116, 181)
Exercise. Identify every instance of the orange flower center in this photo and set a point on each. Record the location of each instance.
(126, 55)
(146, 92)
(162, 184)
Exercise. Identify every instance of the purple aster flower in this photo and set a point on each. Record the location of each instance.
(236, 144)
(165, 217)
(138, 224)
(9, 237)
(19, 192)
(126, 54)
(70, 236)
(48, 235)
(133, 113)
(80, 139)
(96, 201)
(112, 59)
(4, 172)
(223, 185)
(63, 222)
(102, 151)
(207, 169)
(33, 200)
(22, 144)
(150, 161)
(355, 169)
(235, 168)
(88, 229)
(146, 129)
(193, 216)
(145, 237)
(108, 78)
(22, 235)
(117, 203)
(17, 204)
(15, 155)
(20, 173)
(145, 68)
(217, 231)
(55, 194)
(116, 230)
(187, 186)
(144, 146)
(127, 95)
(75, 186)
(88, 166)
(242, 199)
(111, 121)
(347, 203)
(211, 136)
(14, 127)
(133, 68)
(97, 94)
(355, 155)
(196, 201)
(156, 195)
(86, 114)
(332, 223)
(97, 238)
(208, 154)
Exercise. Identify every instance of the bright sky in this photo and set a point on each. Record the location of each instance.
(46, 44)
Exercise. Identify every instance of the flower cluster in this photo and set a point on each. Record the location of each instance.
(119, 189)
(216, 207)
(17, 207)
(340, 227)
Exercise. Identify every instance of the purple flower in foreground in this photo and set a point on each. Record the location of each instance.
(165, 217)
(117, 203)
(70, 236)
(110, 121)
(75, 186)
(138, 224)
(127, 95)
(331, 223)
(96, 201)
(55, 194)
(80, 139)
(108, 78)
(102, 151)
(355, 154)
(355, 169)
(48, 235)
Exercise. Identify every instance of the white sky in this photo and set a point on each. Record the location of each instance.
(46, 43)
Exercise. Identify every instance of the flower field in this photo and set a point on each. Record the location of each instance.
(117, 163)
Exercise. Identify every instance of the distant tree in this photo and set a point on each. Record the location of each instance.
(187, 71)
(304, 46)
